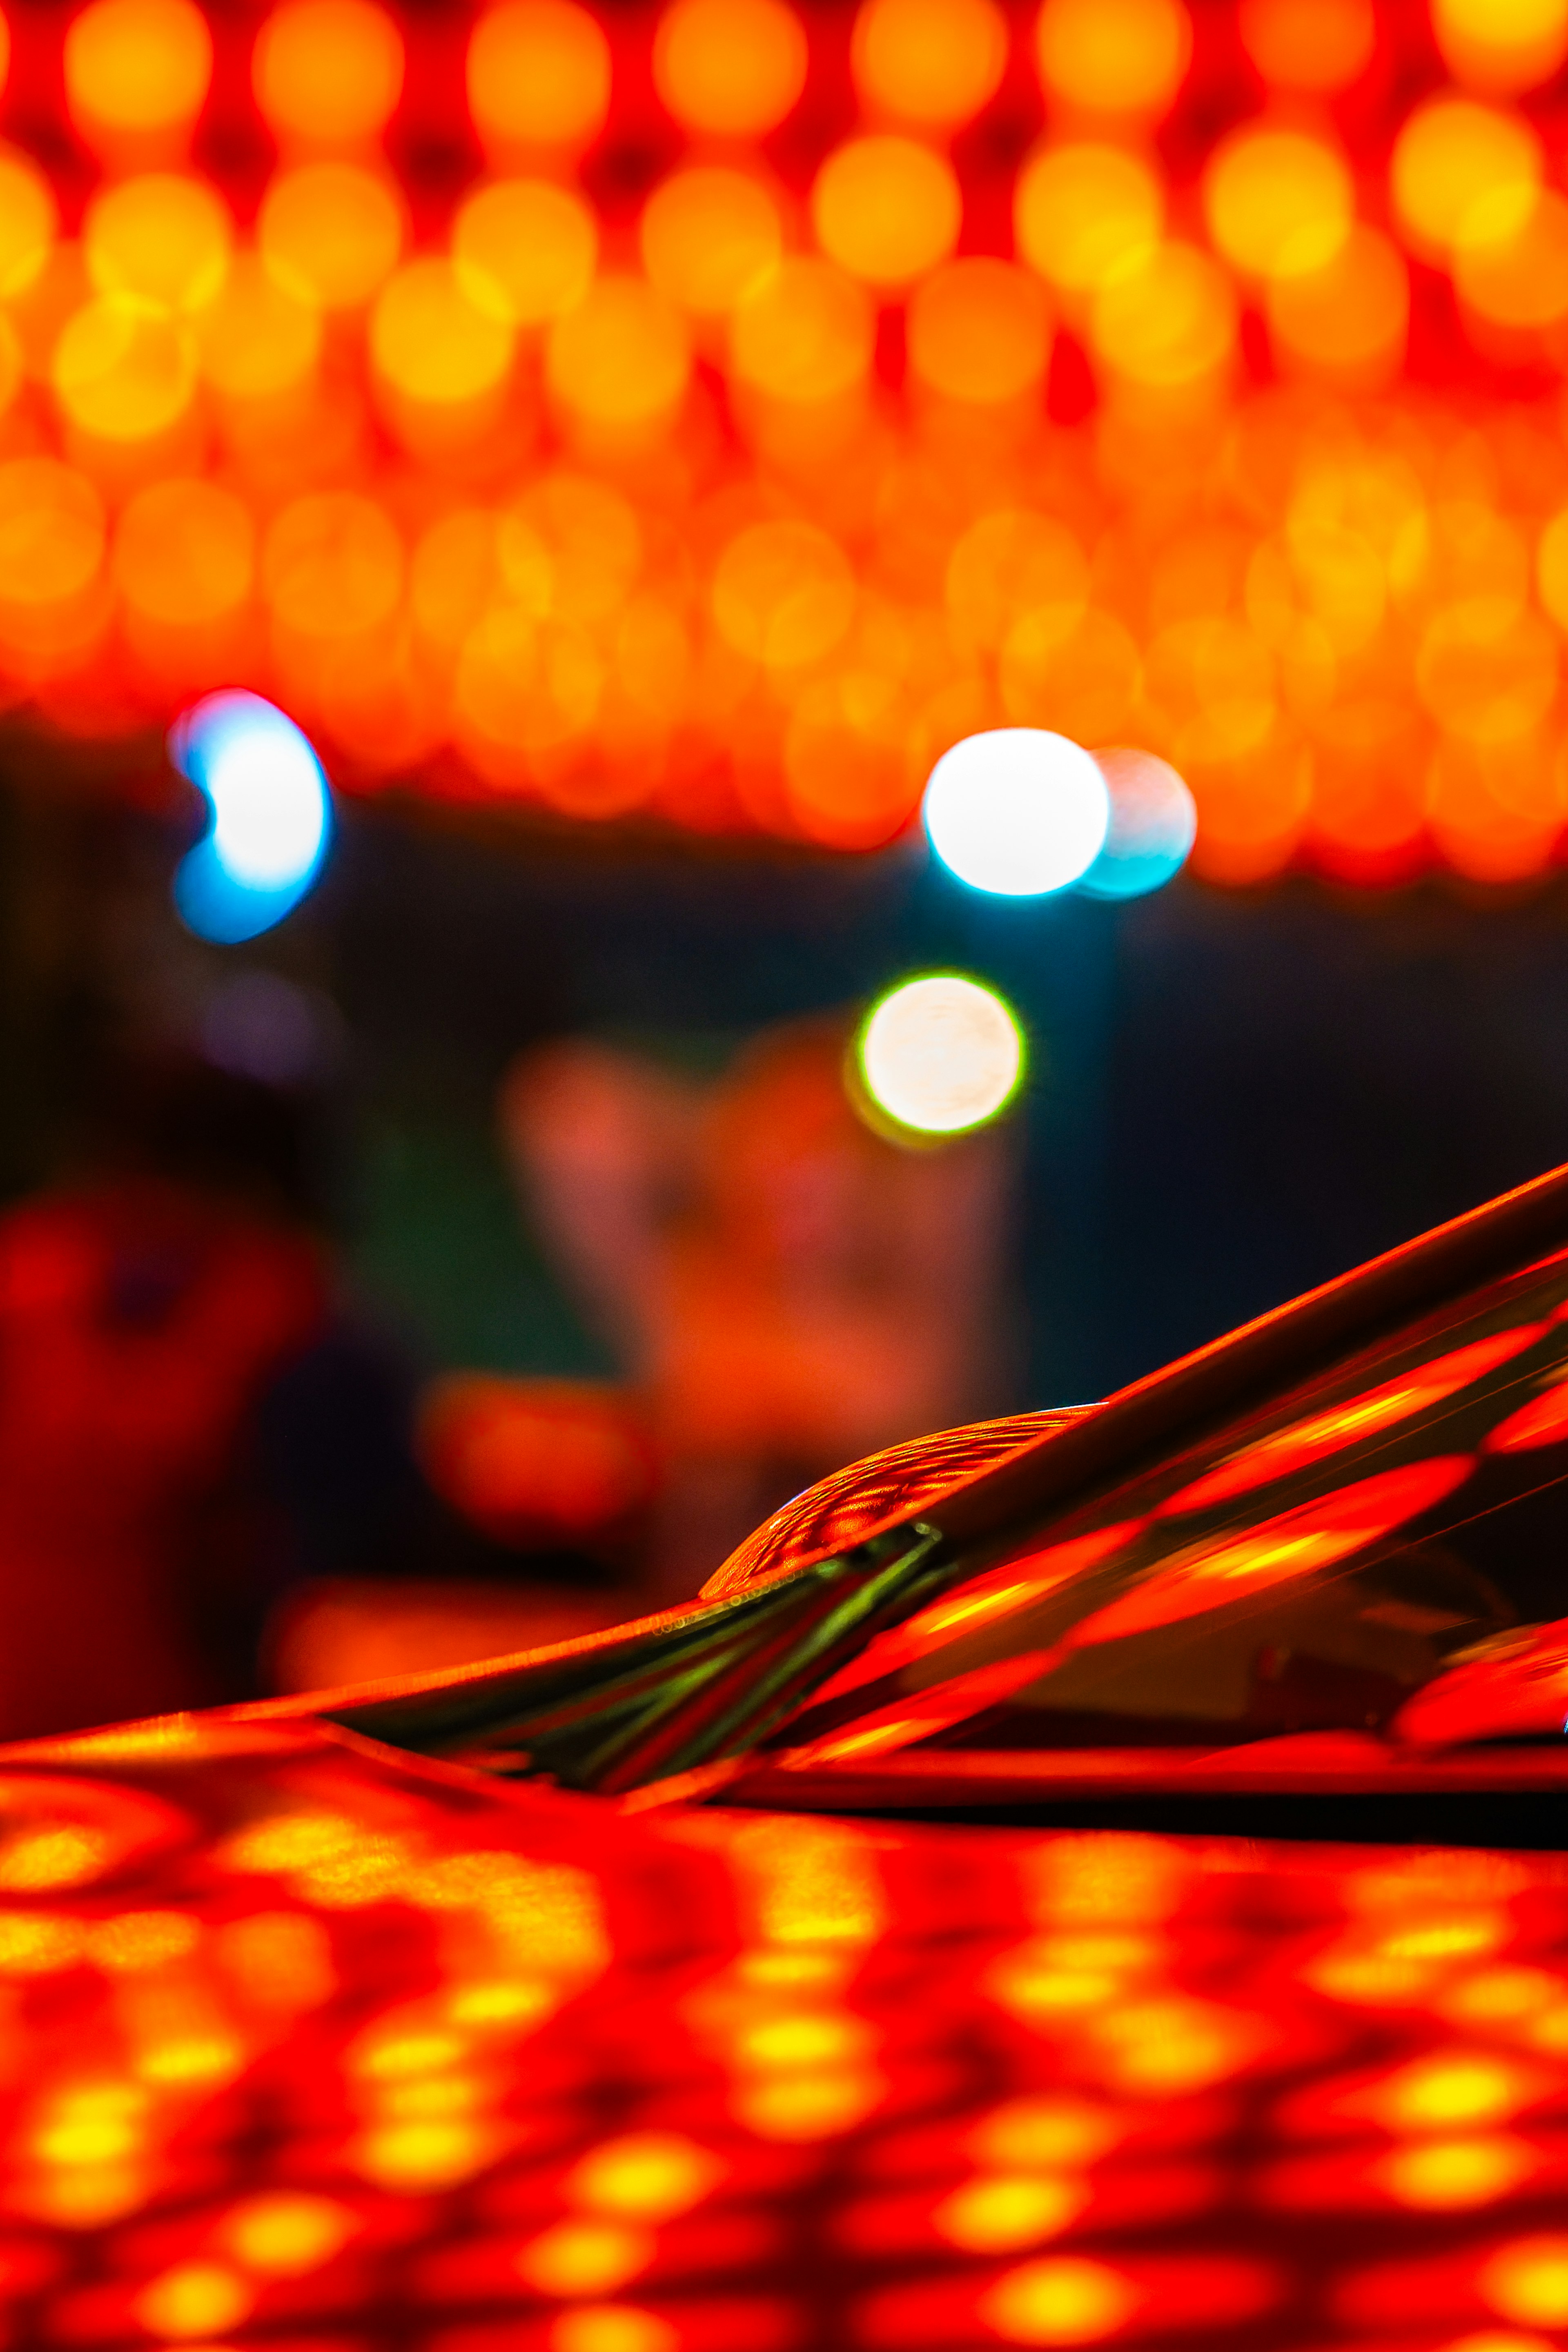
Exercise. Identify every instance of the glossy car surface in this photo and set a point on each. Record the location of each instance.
(1090, 1879)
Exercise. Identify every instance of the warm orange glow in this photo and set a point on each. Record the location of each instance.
(538, 78)
(1528, 2280)
(929, 63)
(1460, 171)
(1277, 203)
(979, 330)
(525, 249)
(783, 593)
(331, 234)
(1519, 281)
(804, 335)
(886, 209)
(1316, 46)
(1011, 564)
(1114, 56)
(1340, 647)
(28, 220)
(1167, 326)
(1345, 321)
(1002, 2213)
(1448, 2176)
(161, 240)
(584, 2257)
(621, 360)
(136, 76)
(256, 343)
(709, 237)
(1501, 45)
(1487, 671)
(645, 2177)
(122, 375)
(184, 553)
(435, 348)
(732, 68)
(1084, 212)
(52, 541)
(331, 566)
(1063, 2299)
(286, 2235)
(195, 2299)
(327, 73)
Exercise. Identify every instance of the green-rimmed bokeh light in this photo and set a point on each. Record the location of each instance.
(940, 1055)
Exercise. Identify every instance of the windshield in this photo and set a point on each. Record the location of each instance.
(1312, 1565)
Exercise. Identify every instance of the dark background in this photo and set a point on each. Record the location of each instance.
(1232, 1096)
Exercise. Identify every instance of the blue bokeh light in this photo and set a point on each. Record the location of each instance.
(1154, 822)
(271, 816)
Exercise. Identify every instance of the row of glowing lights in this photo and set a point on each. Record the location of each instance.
(157, 298)
(162, 300)
(1016, 811)
(1434, 2130)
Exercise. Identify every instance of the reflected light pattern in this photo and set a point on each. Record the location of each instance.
(527, 2071)
(1184, 380)
(940, 1055)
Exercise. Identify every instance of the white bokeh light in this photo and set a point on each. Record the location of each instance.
(1017, 811)
(941, 1055)
(268, 794)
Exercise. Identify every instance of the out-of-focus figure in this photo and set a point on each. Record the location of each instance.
(143, 1316)
(788, 1289)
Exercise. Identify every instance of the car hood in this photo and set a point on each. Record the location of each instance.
(315, 2043)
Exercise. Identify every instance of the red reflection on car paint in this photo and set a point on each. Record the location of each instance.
(1357, 1417)
(977, 1602)
(1298, 1542)
(1518, 1689)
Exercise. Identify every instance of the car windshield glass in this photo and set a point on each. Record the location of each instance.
(1312, 1565)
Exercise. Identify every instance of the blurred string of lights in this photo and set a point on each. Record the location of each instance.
(717, 413)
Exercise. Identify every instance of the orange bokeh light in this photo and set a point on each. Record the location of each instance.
(979, 330)
(28, 221)
(1278, 203)
(730, 68)
(327, 73)
(931, 64)
(445, 359)
(538, 78)
(331, 566)
(708, 237)
(804, 335)
(185, 553)
(1119, 57)
(1315, 47)
(1501, 45)
(525, 249)
(330, 234)
(255, 341)
(161, 239)
(1084, 212)
(887, 209)
(136, 74)
(123, 376)
(621, 359)
(1460, 170)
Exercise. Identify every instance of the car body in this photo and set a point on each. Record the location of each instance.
(1093, 1879)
